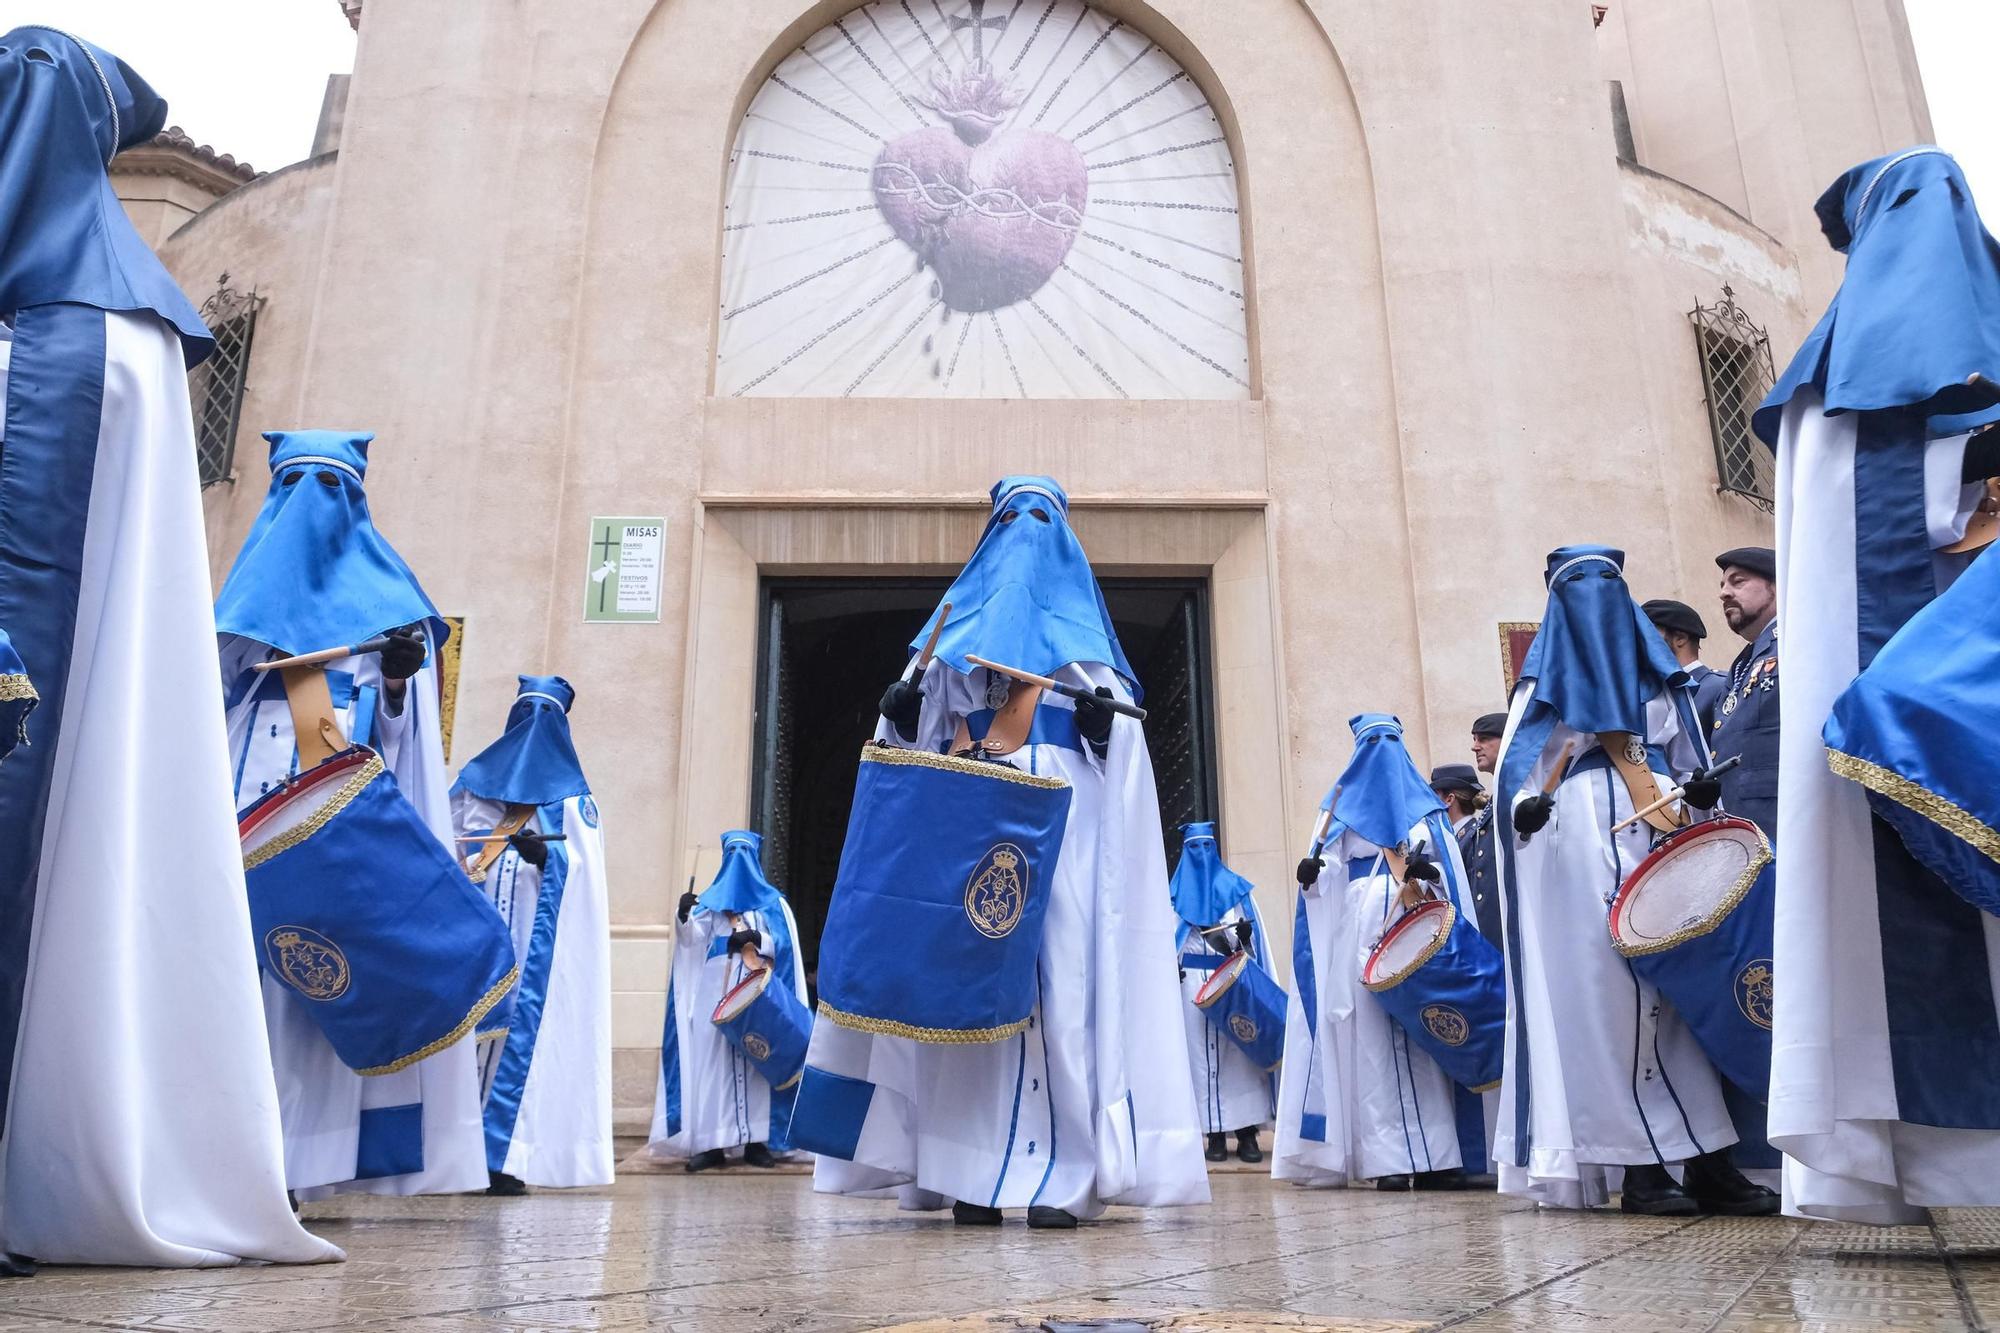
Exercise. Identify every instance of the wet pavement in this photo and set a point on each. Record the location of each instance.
(746, 1251)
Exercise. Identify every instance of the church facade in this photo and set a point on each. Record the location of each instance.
(1332, 318)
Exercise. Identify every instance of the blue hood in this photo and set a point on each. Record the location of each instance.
(1381, 794)
(1204, 889)
(740, 886)
(534, 761)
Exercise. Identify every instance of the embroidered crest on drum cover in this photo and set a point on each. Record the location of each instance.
(307, 961)
(1635, 750)
(1447, 1024)
(1241, 1028)
(997, 892)
(756, 1047)
(1754, 992)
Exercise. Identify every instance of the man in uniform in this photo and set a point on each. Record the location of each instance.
(1683, 629)
(1745, 718)
(1487, 729)
(1471, 812)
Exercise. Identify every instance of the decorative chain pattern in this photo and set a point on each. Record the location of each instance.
(887, 1027)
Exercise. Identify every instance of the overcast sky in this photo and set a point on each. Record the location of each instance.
(247, 75)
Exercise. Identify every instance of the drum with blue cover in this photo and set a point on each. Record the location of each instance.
(1696, 918)
(935, 926)
(1247, 1007)
(367, 918)
(1445, 984)
(763, 1019)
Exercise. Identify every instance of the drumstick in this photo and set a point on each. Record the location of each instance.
(1984, 385)
(374, 645)
(504, 837)
(1132, 711)
(1556, 774)
(751, 958)
(930, 645)
(1674, 795)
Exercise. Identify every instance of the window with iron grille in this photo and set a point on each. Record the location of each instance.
(1736, 373)
(215, 387)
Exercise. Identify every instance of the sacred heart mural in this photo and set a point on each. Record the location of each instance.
(982, 199)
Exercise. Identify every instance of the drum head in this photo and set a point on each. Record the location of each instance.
(283, 809)
(1410, 939)
(1221, 979)
(741, 996)
(1688, 885)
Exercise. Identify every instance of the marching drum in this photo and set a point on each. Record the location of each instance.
(763, 1019)
(1695, 919)
(1444, 983)
(1243, 1001)
(361, 912)
(935, 926)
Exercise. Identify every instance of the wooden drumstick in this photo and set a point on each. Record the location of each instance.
(752, 960)
(1674, 795)
(1555, 777)
(930, 645)
(374, 645)
(1132, 711)
(508, 837)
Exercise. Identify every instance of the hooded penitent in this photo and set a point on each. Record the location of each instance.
(534, 762)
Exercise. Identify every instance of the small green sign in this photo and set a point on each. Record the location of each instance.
(622, 579)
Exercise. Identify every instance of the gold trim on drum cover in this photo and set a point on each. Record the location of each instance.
(479, 1011)
(873, 753)
(1715, 918)
(1430, 950)
(889, 1027)
(342, 797)
(15, 686)
(1918, 799)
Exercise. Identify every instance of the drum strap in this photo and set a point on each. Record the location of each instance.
(315, 733)
(511, 823)
(1011, 723)
(1627, 754)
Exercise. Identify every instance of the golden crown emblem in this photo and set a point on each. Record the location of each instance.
(1005, 860)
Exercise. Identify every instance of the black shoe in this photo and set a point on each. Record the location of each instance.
(706, 1161)
(292, 1198)
(975, 1215)
(1218, 1148)
(1651, 1192)
(1395, 1184)
(758, 1154)
(500, 1185)
(1482, 1180)
(1720, 1188)
(1051, 1219)
(1246, 1146)
(1454, 1179)
(16, 1265)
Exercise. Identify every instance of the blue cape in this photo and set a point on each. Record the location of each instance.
(314, 573)
(1381, 794)
(533, 762)
(1919, 308)
(1027, 597)
(66, 107)
(1204, 889)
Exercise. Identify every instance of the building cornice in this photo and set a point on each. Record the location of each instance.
(173, 153)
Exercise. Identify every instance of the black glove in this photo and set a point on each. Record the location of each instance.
(1532, 815)
(903, 704)
(530, 849)
(1702, 790)
(686, 906)
(742, 939)
(1093, 719)
(1422, 867)
(1243, 935)
(403, 655)
(1309, 871)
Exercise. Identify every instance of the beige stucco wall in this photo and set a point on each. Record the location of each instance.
(1469, 336)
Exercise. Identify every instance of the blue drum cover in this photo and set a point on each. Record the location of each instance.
(771, 1032)
(1453, 1002)
(1250, 1011)
(935, 925)
(364, 915)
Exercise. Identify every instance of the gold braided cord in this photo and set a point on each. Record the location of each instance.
(1953, 819)
(792, 1081)
(888, 1027)
(340, 800)
(15, 686)
(1708, 923)
(479, 1011)
(1487, 1087)
(977, 768)
(1405, 972)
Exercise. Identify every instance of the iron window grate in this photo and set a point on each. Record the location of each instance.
(1736, 374)
(217, 385)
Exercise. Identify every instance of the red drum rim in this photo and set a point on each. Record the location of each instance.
(754, 986)
(304, 785)
(1408, 921)
(1220, 980)
(1659, 856)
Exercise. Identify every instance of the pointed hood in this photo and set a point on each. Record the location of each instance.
(1381, 794)
(1204, 889)
(739, 885)
(534, 762)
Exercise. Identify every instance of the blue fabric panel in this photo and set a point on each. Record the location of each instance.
(1468, 1111)
(503, 1104)
(1204, 889)
(829, 1114)
(1049, 726)
(534, 762)
(1312, 1128)
(48, 458)
(1251, 1014)
(391, 1143)
(772, 1032)
(670, 1063)
(1752, 1150)
(1719, 982)
(1455, 1006)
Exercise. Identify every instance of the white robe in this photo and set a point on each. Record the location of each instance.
(551, 1124)
(1359, 1100)
(718, 1099)
(144, 1122)
(321, 1098)
(1092, 1104)
(1616, 1078)
(1850, 1154)
(1230, 1092)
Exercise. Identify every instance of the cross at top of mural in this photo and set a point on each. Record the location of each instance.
(1010, 198)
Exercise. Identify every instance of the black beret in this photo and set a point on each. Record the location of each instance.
(1668, 614)
(1455, 777)
(1759, 560)
(1490, 724)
